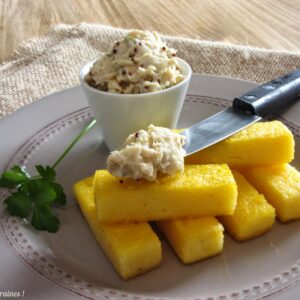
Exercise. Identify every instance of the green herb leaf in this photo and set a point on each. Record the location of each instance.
(18, 204)
(13, 177)
(44, 219)
(47, 173)
(37, 194)
(46, 195)
(39, 190)
(33, 187)
(60, 195)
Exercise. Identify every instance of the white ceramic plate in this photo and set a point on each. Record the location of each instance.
(71, 260)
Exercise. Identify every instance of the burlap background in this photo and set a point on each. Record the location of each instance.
(50, 63)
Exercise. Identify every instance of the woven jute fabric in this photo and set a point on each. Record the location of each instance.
(51, 63)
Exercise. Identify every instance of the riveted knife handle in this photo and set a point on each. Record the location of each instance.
(271, 97)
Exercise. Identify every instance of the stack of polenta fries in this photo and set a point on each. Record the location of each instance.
(241, 184)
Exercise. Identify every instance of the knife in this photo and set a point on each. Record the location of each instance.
(266, 99)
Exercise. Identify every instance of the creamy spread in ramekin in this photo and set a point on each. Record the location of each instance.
(140, 63)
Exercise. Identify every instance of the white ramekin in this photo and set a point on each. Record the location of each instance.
(119, 115)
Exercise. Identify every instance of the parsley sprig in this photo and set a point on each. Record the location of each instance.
(34, 197)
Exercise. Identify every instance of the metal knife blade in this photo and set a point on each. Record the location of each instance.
(247, 109)
(216, 128)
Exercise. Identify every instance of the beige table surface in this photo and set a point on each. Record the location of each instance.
(273, 24)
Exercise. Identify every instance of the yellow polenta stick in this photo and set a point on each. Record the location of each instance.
(253, 215)
(133, 249)
(263, 143)
(194, 239)
(281, 186)
(203, 190)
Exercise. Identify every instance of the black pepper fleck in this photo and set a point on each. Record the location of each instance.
(114, 51)
(123, 84)
(91, 82)
(121, 181)
(102, 86)
(137, 134)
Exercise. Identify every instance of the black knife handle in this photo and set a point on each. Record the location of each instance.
(271, 97)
